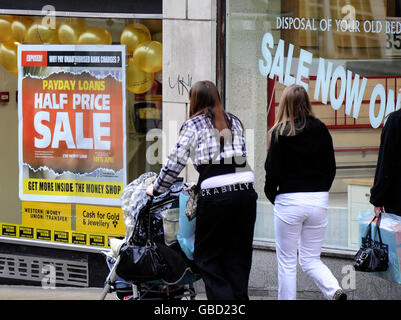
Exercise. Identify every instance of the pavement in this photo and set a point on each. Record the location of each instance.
(63, 293)
(68, 293)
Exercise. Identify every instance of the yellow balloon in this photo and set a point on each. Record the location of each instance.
(95, 35)
(54, 39)
(5, 29)
(137, 80)
(133, 35)
(8, 56)
(148, 56)
(9, 18)
(70, 30)
(67, 34)
(19, 27)
(79, 24)
(39, 33)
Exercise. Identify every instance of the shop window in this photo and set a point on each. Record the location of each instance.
(360, 37)
(143, 108)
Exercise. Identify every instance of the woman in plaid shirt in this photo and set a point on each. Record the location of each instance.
(214, 140)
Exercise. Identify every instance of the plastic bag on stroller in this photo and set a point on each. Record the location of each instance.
(186, 229)
(165, 210)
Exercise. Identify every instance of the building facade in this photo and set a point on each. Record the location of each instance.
(346, 53)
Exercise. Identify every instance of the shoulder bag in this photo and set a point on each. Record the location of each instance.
(373, 255)
(192, 202)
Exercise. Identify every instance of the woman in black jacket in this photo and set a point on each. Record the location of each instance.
(300, 169)
(385, 194)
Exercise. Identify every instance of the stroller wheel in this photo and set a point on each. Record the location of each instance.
(124, 296)
(175, 292)
(161, 292)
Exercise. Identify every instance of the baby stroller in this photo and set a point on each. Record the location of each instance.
(149, 264)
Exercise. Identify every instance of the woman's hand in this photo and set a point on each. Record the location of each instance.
(149, 190)
(191, 186)
(378, 211)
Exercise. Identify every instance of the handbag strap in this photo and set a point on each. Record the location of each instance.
(378, 228)
(369, 232)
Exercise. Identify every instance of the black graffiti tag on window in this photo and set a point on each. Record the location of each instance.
(182, 84)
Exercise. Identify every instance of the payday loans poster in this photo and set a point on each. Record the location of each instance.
(71, 109)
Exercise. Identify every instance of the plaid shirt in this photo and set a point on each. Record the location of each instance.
(200, 141)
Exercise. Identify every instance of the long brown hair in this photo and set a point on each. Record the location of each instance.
(203, 95)
(204, 98)
(294, 105)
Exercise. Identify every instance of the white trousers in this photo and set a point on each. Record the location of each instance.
(302, 228)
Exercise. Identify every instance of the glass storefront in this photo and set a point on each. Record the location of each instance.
(142, 105)
(347, 54)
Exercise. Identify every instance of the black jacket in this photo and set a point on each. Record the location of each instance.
(386, 190)
(301, 163)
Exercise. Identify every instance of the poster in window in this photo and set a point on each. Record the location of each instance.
(71, 110)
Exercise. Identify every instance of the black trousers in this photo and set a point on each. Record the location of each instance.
(223, 243)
